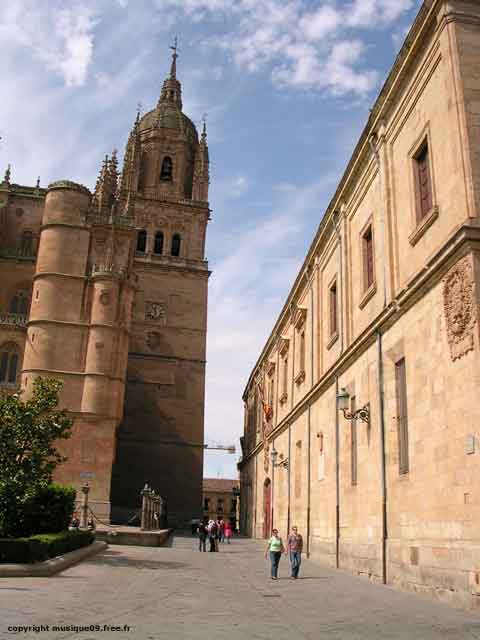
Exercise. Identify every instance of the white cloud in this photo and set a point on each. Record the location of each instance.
(311, 49)
(372, 13)
(60, 37)
(320, 23)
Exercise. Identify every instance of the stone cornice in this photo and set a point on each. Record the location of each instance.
(462, 240)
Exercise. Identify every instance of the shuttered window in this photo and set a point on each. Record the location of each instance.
(333, 309)
(354, 447)
(402, 418)
(423, 182)
(368, 257)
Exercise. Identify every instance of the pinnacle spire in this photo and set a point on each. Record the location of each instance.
(172, 89)
(8, 173)
(173, 68)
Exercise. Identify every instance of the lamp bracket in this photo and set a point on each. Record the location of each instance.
(363, 414)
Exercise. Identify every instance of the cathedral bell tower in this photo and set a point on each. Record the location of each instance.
(164, 183)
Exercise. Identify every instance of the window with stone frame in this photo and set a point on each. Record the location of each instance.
(9, 361)
(142, 241)
(158, 244)
(206, 504)
(142, 172)
(220, 505)
(354, 444)
(300, 344)
(20, 302)
(271, 390)
(423, 181)
(402, 416)
(26, 244)
(166, 172)
(298, 470)
(333, 309)
(176, 243)
(285, 376)
(368, 258)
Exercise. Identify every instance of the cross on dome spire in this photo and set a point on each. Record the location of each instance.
(173, 68)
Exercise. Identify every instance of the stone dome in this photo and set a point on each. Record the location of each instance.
(168, 116)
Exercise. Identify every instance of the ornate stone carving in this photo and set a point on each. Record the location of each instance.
(153, 340)
(155, 311)
(459, 306)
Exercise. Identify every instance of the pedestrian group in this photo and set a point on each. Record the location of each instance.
(215, 531)
(275, 548)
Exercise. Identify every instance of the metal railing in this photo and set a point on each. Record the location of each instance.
(13, 319)
(21, 254)
(153, 510)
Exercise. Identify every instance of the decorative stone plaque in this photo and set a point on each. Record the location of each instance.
(459, 307)
(155, 311)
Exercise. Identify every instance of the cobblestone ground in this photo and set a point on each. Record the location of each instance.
(177, 592)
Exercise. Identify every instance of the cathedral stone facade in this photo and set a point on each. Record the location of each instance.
(361, 413)
(108, 292)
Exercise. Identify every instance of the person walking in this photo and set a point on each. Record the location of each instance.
(275, 548)
(202, 536)
(228, 531)
(212, 535)
(295, 548)
(221, 526)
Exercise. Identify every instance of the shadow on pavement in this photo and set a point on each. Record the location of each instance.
(116, 559)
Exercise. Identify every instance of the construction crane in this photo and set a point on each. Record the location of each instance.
(201, 445)
(218, 447)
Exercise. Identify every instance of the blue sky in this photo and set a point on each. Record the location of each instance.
(286, 84)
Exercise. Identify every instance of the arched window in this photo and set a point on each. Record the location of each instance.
(158, 247)
(26, 247)
(167, 168)
(176, 244)
(8, 363)
(20, 302)
(142, 241)
(142, 173)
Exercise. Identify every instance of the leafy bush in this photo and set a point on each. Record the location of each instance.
(48, 510)
(43, 546)
(29, 431)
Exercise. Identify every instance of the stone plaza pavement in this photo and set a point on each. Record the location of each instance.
(177, 592)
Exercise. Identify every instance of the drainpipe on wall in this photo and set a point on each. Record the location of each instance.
(337, 479)
(288, 471)
(336, 226)
(269, 533)
(382, 456)
(372, 141)
(308, 485)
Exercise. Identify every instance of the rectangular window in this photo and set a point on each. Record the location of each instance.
(368, 273)
(271, 386)
(302, 351)
(333, 309)
(206, 504)
(298, 470)
(285, 377)
(354, 449)
(423, 183)
(402, 418)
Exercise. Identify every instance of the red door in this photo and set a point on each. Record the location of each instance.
(267, 508)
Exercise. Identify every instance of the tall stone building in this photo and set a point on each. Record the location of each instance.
(108, 292)
(361, 413)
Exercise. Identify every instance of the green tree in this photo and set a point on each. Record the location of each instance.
(29, 431)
